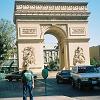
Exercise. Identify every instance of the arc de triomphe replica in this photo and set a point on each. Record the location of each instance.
(67, 21)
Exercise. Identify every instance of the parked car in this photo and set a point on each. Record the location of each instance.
(63, 76)
(85, 76)
(16, 76)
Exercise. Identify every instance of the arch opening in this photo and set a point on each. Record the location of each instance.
(59, 35)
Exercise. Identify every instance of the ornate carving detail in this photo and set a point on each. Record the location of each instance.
(63, 26)
(78, 56)
(28, 56)
(52, 9)
(44, 28)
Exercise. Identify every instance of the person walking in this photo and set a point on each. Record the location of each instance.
(28, 81)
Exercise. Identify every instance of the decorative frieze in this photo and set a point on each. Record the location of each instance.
(42, 7)
(47, 10)
(51, 11)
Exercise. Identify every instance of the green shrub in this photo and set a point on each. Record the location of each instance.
(53, 65)
(95, 62)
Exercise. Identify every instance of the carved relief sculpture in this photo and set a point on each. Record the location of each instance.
(28, 56)
(44, 28)
(78, 56)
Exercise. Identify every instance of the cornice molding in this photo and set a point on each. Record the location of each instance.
(78, 40)
(51, 2)
(49, 21)
(52, 13)
(30, 41)
(50, 7)
(51, 18)
(51, 10)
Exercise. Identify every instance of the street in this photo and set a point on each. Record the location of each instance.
(14, 89)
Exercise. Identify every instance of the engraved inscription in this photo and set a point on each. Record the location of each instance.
(78, 31)
(28, 30)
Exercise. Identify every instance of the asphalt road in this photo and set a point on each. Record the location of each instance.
(14, 89)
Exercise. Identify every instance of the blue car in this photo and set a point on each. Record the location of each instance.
(63, 76)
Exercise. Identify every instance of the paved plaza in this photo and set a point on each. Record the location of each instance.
(17, 94)
(14, 90)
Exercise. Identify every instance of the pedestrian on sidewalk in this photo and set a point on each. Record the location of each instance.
(28, 82)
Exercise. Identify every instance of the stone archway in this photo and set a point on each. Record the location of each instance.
(61, 36)
(66, 20)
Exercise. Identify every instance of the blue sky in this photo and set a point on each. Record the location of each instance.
(7, 8)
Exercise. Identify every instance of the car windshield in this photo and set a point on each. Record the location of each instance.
(65, 72)
(87, 69)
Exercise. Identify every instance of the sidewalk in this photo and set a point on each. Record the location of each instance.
(43, 98)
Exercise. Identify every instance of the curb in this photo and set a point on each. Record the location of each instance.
(43, 98)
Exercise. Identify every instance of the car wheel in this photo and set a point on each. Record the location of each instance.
(10, 79)
(17, 79)
(79, 85)
(73, 84)
(59, 81)
(90, 87)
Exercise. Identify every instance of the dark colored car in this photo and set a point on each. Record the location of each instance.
(63, 76)
(16, 76)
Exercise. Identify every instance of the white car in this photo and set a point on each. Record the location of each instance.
(87, 76)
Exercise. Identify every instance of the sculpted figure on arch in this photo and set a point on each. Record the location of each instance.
(28, 56)
(78, 56)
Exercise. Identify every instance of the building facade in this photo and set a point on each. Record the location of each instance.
(50, 55)
(95, 52)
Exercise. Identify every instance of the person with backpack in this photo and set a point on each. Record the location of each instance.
(27, 80)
